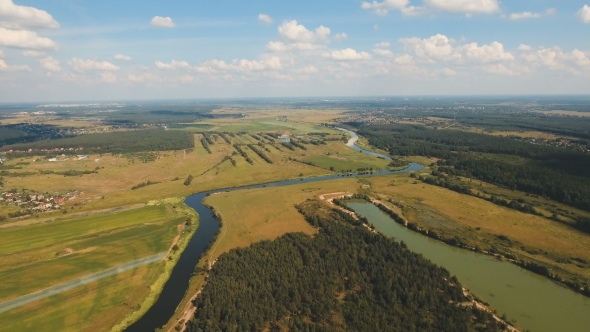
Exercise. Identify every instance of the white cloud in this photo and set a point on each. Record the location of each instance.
(33, 54)
(382, 45)
(5, 67)
(347, 54)
(414, 11)
(294, 32)
(383, 52)
(307, 70)
(465, 6)
(435, 47)
(404, 60)
(172, 65)
(527, 15)
(147, 77)
(186, 79)
(340, 37)
(282, 47)
(22, 17)
(523, 47)
(122, 57)
(447, 72)
(579, 58)
(274, 63)
(486, 53)
(382, 8)
(500, 69)
(108, 77)
(24, 39)
(49, 63)
(524, 15)
(162, 22)
(242, 65)
(80, 65)
(263, 18)
(584, 14)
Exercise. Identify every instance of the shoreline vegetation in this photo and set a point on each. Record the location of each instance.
(189, 228)
(455, 241)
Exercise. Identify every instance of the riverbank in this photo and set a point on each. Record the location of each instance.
(177, 248)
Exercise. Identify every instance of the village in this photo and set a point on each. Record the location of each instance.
(34, 202)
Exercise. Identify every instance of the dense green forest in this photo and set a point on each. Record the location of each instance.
(346, 278)
(557, 173)
(117, 142)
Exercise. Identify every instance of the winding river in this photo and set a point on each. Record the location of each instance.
(534, 301)
(176, 287)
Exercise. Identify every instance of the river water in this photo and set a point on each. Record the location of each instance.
(535, 302)
(175, 288)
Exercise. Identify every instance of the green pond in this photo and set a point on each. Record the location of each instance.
(535, 302)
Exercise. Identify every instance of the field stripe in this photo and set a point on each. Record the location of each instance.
(58, 289)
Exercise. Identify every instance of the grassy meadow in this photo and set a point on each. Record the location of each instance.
(41, 255)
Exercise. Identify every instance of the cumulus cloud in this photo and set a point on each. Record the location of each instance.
(382, 8)
(383, 52)
(162, 22)
(465, 6)
(24, 39)
(242, 65)
(108, 77)
(501, 69)
(440, 47)
(283, 47)
(404, 60)
(340, 37)
(523, 47)
(584, 14)
(33, 54)
(122, 57)
(447, 72)
(263, 18)
(347, 54)
(81, 65)
(556, 59)
(293, 32)
(524, 15)
(382, 45)
(528, 15)
(22, 17)
(6, 67)
(414, 11)
(486, 53)
(435, 47)
(147, 77)
(307, 70)
(50, 64)
(172, 65)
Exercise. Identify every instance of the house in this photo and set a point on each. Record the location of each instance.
(52, 159)
(285, 138)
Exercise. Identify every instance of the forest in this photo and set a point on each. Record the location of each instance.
(557, 173)
(346, 278)
(116, 142)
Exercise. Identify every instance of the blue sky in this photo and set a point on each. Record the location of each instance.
(59, 50)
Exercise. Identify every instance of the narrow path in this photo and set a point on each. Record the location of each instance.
(58, 289)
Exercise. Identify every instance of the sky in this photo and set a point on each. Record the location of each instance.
(85, 50)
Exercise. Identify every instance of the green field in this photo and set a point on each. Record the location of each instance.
(41, 255)
(348, 161)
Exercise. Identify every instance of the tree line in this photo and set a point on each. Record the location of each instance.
(345, 278)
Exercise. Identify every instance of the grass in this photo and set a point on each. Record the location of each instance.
(92, 244)
(254, 215)
(479, 222)
(16, 239)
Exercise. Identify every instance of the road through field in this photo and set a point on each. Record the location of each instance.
(58, 289)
